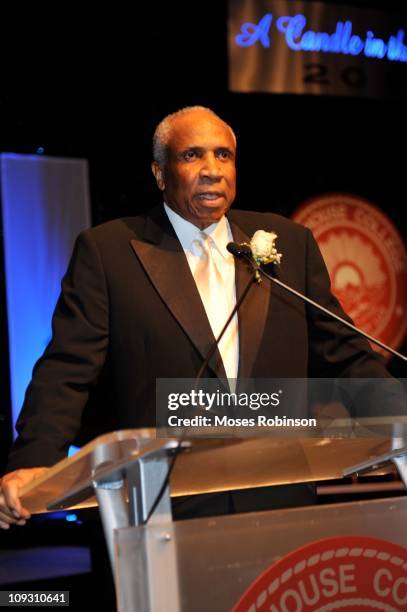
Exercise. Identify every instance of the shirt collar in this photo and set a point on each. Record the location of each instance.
(187, 232)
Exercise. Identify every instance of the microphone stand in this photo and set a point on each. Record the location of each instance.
(213, 348)
(253, 280)
(244, 252)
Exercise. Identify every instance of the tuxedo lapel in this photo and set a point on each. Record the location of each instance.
(253, 312)
(163, 259)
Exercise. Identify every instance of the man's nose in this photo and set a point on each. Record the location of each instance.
(211, 168)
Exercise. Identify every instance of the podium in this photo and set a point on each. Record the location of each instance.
(203, 564)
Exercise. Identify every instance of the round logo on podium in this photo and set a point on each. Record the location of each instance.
(367, 262)
(352, 573)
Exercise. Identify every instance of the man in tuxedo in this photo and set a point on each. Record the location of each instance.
(137, 303)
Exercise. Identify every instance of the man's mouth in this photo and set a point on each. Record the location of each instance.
(210, 195)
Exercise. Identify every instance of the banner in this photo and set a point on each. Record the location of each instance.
(314, 48)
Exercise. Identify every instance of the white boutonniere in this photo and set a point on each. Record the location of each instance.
(263, 246)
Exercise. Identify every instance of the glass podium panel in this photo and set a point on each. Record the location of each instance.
(207, 466)
(218, 558)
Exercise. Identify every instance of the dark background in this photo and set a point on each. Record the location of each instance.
(95, 86)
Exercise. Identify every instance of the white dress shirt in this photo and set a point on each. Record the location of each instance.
(219, 236)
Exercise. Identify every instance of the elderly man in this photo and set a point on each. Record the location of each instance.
(144, 297)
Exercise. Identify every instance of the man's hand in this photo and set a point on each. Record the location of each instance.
(11, 510)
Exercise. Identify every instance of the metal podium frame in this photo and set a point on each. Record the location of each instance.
(125, 470)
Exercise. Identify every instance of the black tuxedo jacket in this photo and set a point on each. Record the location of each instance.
(129, 311)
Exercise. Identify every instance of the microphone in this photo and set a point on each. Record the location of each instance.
(239, 250)
(244, 251)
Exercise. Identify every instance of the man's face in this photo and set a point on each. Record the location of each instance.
(199, 178)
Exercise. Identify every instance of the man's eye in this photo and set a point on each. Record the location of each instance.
(189, 155)
(224, 155)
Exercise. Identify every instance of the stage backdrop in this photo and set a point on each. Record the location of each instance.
(45, 204)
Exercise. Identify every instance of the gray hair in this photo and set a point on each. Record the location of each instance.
(162, 132)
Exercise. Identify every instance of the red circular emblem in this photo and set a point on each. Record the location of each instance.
(354, 573)
(367, 262)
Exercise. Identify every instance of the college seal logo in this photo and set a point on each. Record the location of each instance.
(366, 260)
(352, 573)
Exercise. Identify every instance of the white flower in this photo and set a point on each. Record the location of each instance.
(263, 247)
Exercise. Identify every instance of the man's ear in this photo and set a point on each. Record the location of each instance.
(158, 172)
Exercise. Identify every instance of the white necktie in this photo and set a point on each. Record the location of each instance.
(214, 296)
